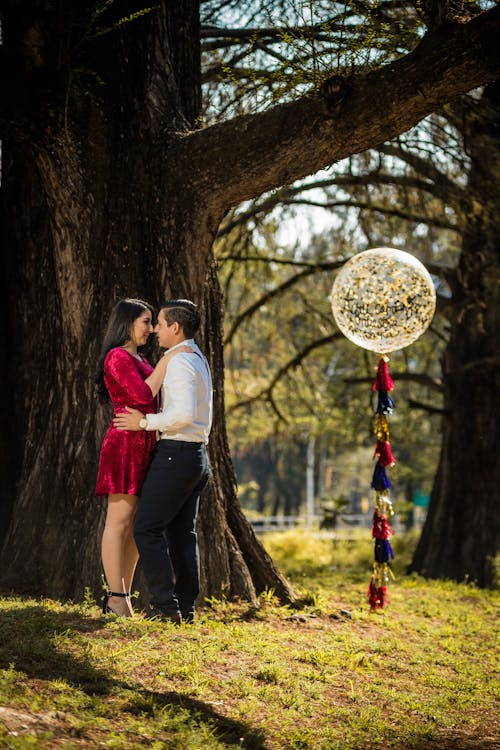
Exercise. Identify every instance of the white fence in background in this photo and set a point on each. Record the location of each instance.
(283, 523)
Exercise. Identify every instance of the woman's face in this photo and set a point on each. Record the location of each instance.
(141, 328)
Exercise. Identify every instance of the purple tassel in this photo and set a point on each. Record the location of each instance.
(385, 403)
(380, 481)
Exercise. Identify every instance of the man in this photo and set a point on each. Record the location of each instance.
(179, 470)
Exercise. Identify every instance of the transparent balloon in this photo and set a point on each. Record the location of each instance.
(383, 299)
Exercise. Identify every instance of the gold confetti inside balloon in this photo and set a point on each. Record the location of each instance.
(383, 299)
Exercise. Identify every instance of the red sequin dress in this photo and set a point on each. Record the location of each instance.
(126, 454)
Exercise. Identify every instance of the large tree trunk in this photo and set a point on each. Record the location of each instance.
(127, 218)
(134, 195)
(460, 538)
(50, 436)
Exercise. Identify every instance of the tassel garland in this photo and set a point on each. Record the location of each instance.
(385, 403)
(380, 480)
(383, 453)
(381, 530)
(383, 381)
(377, 595)
(383, 384)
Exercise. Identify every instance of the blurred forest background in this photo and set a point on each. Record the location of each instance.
(295, 387)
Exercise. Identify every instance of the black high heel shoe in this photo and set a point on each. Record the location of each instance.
(106, 609)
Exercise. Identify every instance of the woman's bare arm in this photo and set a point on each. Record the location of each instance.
(157, 377)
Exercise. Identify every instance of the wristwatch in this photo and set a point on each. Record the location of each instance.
(143, 423)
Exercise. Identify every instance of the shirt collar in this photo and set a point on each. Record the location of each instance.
(186, 342)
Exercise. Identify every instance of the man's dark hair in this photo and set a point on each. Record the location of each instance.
(184, 312)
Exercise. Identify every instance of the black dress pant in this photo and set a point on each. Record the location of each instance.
(165, 525)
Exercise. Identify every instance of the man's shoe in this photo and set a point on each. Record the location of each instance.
(157, 614)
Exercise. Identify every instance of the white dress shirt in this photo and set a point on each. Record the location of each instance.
(186, 411)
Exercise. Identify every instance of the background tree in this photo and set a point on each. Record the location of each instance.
(100, 116)
(416, 193)
(290, 373)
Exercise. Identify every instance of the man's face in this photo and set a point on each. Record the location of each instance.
(165, 334)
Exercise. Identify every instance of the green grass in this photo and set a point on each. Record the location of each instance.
(331, 676)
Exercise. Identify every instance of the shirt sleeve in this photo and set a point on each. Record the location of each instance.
(120, 366)
(181, 386)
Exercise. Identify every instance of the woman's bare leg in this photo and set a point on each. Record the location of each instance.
(117, 554)
(130, 558)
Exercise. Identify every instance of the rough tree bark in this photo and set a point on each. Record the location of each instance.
(104, 128)
(126, 218)
(460, 538)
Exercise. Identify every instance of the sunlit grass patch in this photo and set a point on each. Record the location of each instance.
(330, 675)
(299, 552)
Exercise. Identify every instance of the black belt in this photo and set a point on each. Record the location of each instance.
(179, 444)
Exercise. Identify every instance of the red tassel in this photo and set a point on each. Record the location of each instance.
(383, 596)
(378, 597)
(384, 453)
(380, 527)
(372, 595)
(383, 381)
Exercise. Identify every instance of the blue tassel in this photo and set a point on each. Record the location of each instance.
(380, 555)
(385, 403)
(380, 481)
(383, 551)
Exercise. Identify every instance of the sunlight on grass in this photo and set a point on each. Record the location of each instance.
(329, 676)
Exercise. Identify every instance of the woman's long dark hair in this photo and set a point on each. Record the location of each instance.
(122, 317)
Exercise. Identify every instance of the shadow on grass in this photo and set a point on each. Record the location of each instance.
(28, 637)
(28, 642)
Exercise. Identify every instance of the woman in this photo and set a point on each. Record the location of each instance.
(125, 377)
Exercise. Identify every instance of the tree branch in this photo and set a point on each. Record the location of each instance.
(415, 377)
(284, 195)
(444, 188)
(219, 37)
(438, 12)
(273, 33)
(294, 362)
(434, 268)
(275, 292)
(408, 181)
(280, 261)
(251, 154)
(367, 206)
(426, 407)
